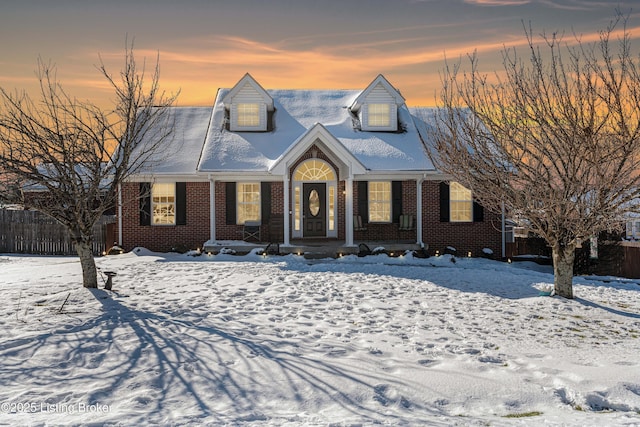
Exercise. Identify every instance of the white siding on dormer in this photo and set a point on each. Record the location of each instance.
(248, 95)
(379, 95)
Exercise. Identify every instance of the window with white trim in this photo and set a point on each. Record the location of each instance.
(332, 207)
(248, 115)
(633, 230)
(314, 170)
(460, 203)
(379, 115)
(296, 204)
(163, 199)
(380, 201)
(248, 200)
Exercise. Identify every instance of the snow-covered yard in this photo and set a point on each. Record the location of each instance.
(226, 340)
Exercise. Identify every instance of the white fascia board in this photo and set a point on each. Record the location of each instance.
(390, 175)
(248, 78)
(306, 140)
(380, 79)
(168, 178)
(237, 176)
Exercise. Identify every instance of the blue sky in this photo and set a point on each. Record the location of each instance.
(204, 45)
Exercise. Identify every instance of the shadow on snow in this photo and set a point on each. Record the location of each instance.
(118, 348)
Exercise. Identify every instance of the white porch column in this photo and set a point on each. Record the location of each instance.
(287, 210)
(419, 211)
(212, 209)
(348, 211)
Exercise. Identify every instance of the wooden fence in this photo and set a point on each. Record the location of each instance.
(630, 266)
(614, 258)
(31, 232)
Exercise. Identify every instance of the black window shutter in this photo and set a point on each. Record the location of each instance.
(396, 200)
(145, 203)
(363, 201)
(230, 194)
(478, 212)
(265, 202)
(181, 203)
(444, 202)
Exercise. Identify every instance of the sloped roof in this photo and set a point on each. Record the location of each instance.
(181, 151)
(297, 111)
(248, 80)
(382, 81)
(80, 174)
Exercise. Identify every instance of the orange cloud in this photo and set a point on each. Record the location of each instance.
(199, 67)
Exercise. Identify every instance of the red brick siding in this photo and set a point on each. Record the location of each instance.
(226, 231)
(377, 231)
(164, 238)
(438, 235)
(464, 237)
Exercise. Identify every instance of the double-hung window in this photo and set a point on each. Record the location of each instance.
(379, 115)
(461, 203)
(380, 201)
(633, 230)
(163, 198)
(248, 199)
(248, 115)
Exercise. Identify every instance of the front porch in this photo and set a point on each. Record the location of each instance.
(310, 248)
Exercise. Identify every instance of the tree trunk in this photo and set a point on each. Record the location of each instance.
(563, 257)
(89, 272)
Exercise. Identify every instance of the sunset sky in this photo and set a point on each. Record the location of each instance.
(207, 44)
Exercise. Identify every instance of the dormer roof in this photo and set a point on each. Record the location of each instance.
(378, 82)
(298, 112)
(248, 84)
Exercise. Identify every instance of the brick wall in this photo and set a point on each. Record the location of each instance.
(438, 235)
(463, 236)
(163, 238)
(226, 231)
(388, 231)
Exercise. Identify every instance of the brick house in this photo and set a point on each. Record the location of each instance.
(344, 166)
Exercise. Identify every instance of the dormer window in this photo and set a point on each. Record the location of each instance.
(248, 115)
(377, 106)
(250, 107)
(379, 115)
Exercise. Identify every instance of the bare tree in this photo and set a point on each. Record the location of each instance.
(555, 139)
(66, 157)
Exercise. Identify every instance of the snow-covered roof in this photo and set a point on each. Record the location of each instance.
(379, 81)
(181, 152)
(62, 172)
(297, 111)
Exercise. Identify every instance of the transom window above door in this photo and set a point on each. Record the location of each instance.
(314, 170)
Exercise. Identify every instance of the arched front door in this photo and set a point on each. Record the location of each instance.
(314, 198)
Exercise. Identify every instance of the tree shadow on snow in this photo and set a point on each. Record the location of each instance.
(494, 278)
(163, 368)
(615, 311)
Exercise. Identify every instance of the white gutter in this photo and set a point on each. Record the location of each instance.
(120, 215)
(504, 233)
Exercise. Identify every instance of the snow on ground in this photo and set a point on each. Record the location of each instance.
(227, 340)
